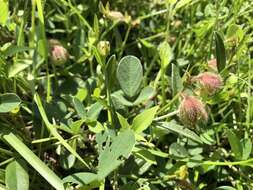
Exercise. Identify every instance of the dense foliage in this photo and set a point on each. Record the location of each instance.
(121, 94)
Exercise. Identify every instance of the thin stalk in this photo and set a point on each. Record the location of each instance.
(243, 162)
(125, 40)
(148, 70)
(153, 14)
(167, 115)
(163, 109)
(6, 161)
(108, 30)
(163, 85)
(248, 117)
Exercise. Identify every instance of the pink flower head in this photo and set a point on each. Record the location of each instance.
(59, 54)
(192, 110)
(210, 82)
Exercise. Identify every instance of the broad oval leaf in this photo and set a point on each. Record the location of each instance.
(129, 75)
(16, 176)
(9, 102)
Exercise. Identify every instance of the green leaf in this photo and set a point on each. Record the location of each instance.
(94, 111)
(225, 188)
(178, 150)
(123, 121)
(130, 74)
(12, 50)
(34, 161)
(76, 125)
(96, 127)
(235, 144)
(67, 160)
(145, 94)
(9, 102)
(145, 155)
(42, 42)
(112, 155)
(119, 97)
(79, 108)
(182, 3)
(235, 32)
(16, 176)
(144, 119)
(82, 178)
(110, 71)
(181, 130)
(165, 53)
(220, 51)
(19, 66)
(177, 84)
(4, 13)
(159, 153)
(246, 148)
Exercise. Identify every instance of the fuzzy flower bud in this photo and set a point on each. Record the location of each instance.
(212, 65)
(209, 82)
(115, 16)
(58, 54)
(192, 110)
(103, 48)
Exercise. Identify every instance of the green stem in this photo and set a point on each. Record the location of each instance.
(163, 86)
(167, 115)
(243, 162)
(125, 40)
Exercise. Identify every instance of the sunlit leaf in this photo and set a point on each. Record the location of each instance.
(129, 75)
(144, 119)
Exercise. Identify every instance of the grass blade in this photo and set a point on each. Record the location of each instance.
(34, 161)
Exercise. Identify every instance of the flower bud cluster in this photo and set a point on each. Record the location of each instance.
(191, 109)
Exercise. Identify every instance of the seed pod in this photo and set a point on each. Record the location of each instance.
(192, 111)
(103, 48)
(210, 83)
(58, 54)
